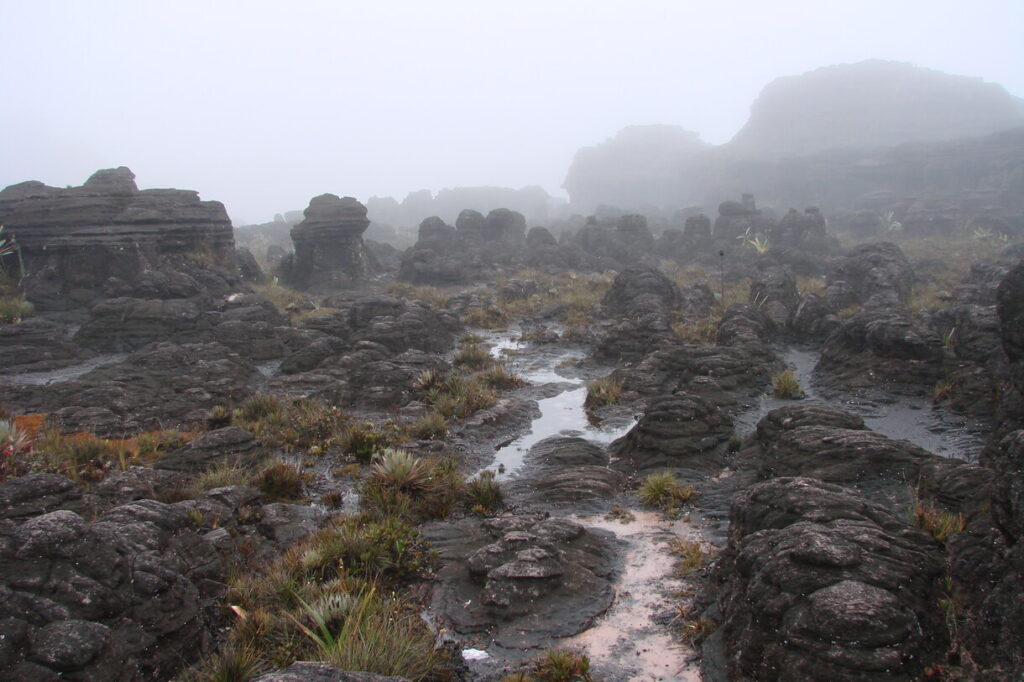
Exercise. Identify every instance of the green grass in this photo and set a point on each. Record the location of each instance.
(603, 391)
(786, 385)
(484, 493)
(692, 556)
(664, 491)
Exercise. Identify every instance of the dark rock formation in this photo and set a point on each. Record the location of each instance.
(230, 444)
(838, 106)
(722, 375)
(122, 598)
(79, 241)
(569, 473)
(161, 385)
(329, 249)
(774, 293)
(883, 347)
(791, 417)
(475, 247)
(640, 304)
(819, 584)
(522, 580)
(869, 270)
(679, 431)
(736, 219)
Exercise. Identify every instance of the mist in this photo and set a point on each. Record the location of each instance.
(263, 105)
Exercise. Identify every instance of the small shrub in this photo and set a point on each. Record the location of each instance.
(485, 492)
(427, 380)
(942, 390)
(14, 309)
(696, 631)
(226, 473)
(259, 407)
(80, 456)
(219, 417)
(500, 376)
(692, 556)
(664, 491)
(563, 665)
(939, 523)
(735, 442)
(364, 440)
(154, 444)
(279, 481)
(15, 444)
(786, 385)
(378, 635)
(604, 391)
(700, 330)
(472, 357)
(620, 514)
(400, 470)
(431, 426)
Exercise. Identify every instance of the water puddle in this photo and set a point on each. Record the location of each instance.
(560, 415)
(57, 376)
(907, 418)
(630, 642)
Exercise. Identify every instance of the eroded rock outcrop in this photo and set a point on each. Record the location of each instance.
(80, 242)
(523, 580)
(820, 584)
(121, 598)
(329, 249)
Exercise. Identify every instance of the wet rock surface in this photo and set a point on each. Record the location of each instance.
(124, 597)
(680, 431)
(519, 581)
(819, 584)
(567, 473)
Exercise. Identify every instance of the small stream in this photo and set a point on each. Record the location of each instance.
(560, 415)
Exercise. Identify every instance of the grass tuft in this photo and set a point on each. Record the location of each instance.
(786, 385)
(664, 491)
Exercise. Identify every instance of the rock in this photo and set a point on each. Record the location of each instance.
(800, 231)
(566, 472)
(38, 344)
(745, 325)
(329, 249)
(883, 347)
(639, 290)
(814, 317)
(773, 292)
(158, 386)
(866, 271)
(881, 467)
(228, 444)
(122, 598)
(303, 671)
(721, 375)
(524, 580)
(39, 493)
(697, 232)
(817, 584)
(248, 268)
(794, 416)
(678, 432)
(75, 240)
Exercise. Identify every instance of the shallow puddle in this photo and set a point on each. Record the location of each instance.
(933, 428)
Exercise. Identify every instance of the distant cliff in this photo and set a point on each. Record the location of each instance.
(869, 135)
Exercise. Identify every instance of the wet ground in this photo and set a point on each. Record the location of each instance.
(933, 427)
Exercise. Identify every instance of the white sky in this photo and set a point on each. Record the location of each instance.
(263, 105)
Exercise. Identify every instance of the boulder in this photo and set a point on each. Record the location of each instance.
(819, 584)
(329, 249)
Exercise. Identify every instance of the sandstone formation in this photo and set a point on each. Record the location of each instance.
(79, 241)
(329, 249)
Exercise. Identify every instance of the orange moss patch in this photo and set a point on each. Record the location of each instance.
(30, 423)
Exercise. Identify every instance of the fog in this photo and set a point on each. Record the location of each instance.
(262, 105)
